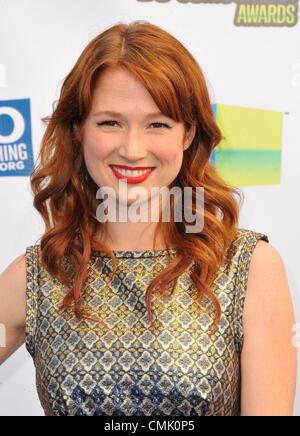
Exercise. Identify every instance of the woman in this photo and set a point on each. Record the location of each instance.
(144, 318)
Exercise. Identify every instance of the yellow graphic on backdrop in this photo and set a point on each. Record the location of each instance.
(250, 154)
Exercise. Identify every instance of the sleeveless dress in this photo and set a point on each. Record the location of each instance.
(176, 369)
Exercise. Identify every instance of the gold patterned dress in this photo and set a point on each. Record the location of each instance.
(176, 369)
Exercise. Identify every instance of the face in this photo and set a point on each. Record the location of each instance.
(125, 127)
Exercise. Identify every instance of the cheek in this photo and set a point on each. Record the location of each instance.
(98, 147)
(172, 155)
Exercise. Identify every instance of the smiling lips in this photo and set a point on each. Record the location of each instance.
(138, 175)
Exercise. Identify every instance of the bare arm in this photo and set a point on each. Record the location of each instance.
(12, 307)
(269, 359)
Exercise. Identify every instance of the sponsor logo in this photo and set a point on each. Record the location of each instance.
(255, 13)
(16, 156)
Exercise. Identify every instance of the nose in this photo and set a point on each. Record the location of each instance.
(133, 147)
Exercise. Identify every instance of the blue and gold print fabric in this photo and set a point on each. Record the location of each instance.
(176, 368)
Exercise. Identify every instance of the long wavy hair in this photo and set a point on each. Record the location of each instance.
(65, 193)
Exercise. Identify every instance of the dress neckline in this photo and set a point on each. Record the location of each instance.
(136, 253)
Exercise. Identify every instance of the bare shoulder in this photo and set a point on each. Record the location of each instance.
(13, 290)
(269, 359)
(265, 257)
(267, 289)
(15, 272)
(17, 265)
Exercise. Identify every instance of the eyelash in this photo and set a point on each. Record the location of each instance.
(112, 121)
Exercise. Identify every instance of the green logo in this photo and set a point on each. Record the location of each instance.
(268, 13)
(255, 13)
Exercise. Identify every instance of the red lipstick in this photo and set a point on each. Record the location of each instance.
(128, 179)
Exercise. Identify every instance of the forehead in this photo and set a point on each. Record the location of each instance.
(117, 87)
(118, 81)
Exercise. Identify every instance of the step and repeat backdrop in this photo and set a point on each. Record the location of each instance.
(249, 51)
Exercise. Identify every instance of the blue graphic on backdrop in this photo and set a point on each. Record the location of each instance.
(16, 153)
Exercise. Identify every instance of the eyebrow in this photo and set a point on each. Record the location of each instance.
(118, 114)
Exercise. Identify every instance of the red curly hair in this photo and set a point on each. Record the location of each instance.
(65, 194)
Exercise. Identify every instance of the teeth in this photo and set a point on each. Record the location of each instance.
(135, 173)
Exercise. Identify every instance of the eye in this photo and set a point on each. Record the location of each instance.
(161, 125)
(108, 122)
(111, 123)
